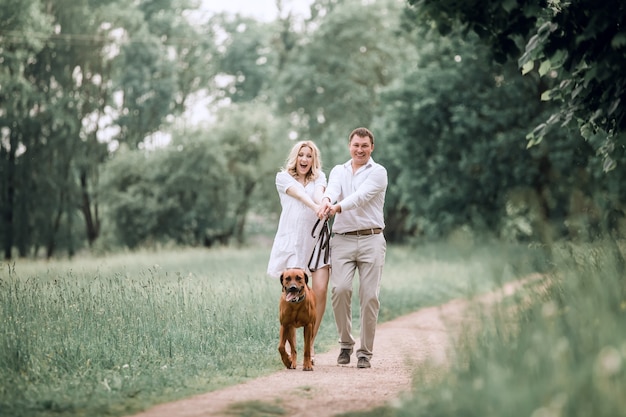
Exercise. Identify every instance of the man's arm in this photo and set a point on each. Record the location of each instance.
(375, 183)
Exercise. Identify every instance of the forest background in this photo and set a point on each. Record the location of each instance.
(503, 121)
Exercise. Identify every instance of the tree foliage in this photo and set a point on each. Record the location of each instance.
(332, 82)
(77, 77)
(245, 58)
(577, 47)
(454, 131)
(199, 190)
(87, 88)
(17, 96)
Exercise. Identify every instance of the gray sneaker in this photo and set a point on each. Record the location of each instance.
(363, 363)
(344, 357)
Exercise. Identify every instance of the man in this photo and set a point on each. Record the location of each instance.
(358, 189)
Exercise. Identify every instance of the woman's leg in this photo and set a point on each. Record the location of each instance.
(320, 289)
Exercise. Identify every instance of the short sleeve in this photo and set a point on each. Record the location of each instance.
(284, 181)
(321, 180)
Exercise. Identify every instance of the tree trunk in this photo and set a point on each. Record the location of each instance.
(542, 189)
(9, 205)
(92, 224)
(242, 211)
(51, 246)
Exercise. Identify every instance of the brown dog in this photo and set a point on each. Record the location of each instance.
(296, 309)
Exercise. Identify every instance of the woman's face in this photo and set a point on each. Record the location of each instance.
(304, 162)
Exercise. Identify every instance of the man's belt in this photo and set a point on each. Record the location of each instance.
(364, 232)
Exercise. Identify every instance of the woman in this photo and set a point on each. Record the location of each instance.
(300, 184)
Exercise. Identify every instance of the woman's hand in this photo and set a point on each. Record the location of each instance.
(324, 209)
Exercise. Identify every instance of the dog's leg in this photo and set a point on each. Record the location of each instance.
(308, 345)
(283, 338)
(288, 335)
(291, 338)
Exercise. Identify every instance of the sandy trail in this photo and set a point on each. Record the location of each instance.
(401, 346)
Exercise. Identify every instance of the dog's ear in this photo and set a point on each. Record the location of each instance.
(306, 278)
(281, 280)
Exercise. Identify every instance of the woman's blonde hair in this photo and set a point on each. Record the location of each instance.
(292, 160)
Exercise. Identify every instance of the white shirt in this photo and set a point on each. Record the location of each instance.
(293, 243)
(361, 196)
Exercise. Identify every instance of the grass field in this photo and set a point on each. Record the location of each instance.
(110, 336)
(560, 353)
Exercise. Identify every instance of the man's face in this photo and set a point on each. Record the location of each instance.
(360, 150)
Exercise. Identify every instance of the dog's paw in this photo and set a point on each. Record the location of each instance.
(289, 364)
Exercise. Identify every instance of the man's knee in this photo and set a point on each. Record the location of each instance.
(342, 290)
(371, 302)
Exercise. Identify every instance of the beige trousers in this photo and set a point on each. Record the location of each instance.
(365, 255)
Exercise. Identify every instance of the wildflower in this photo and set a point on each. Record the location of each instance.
(549, 309)
(608, 362)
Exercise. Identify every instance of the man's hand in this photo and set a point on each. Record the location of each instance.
(334, 209)
(324, 209)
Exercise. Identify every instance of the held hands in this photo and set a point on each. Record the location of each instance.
(328, 210)
(334, 209)
(324, 209)
(317, 208)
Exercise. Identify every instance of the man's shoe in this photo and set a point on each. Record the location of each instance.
(344, 357)
(363, 363)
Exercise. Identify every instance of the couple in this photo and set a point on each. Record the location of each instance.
(355, 193)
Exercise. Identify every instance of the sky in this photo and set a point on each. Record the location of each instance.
(259, 9)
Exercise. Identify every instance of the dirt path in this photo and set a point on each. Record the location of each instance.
(401, 346)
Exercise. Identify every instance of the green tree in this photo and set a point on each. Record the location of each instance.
(199, 189)
(577, 47)
(175, 194)
(73, 74)
(17, 98)
(67, 65)
(246, 60)
(331, 80)
(454, 145)
(249, 137)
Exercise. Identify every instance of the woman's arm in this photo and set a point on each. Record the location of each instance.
(318, 194)
(298, 193)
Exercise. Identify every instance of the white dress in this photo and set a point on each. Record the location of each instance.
(293, 243)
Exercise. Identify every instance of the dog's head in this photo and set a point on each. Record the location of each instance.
(294, 281)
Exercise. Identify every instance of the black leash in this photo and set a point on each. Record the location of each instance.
(321, 246)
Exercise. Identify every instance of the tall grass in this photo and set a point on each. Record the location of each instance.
(110, 336)
(556, 350)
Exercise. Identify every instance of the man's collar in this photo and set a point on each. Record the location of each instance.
(370, 162)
